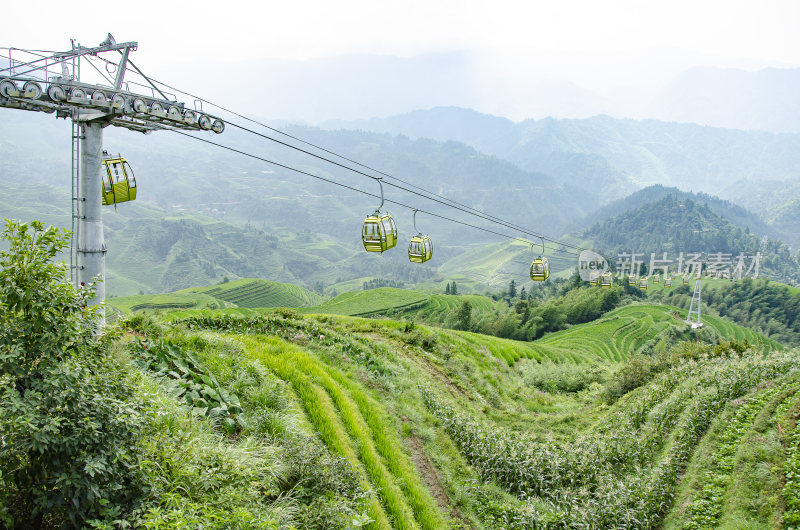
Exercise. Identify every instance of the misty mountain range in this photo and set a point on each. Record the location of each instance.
(375, 85)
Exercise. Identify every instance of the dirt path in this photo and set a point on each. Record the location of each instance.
(428, 473)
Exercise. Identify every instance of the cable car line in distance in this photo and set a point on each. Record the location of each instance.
(352, 188)
(459, 206)
(480, 215)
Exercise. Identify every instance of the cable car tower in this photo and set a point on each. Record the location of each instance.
(695, 306)
(51, 83)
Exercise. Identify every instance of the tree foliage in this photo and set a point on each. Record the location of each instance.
(69, 420)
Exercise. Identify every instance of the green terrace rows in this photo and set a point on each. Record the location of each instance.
(322, 359)
(724, 469)
(373, 301)
(262, 293)
(404, 303)
(245, 293)
(625, 330)
(439, 305)
(354, 425)
(625, 472)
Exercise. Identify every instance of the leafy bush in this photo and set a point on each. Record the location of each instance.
(420, 338)
(145, 324)
(69, 419)
(637, 371)
(198, 388)
(568, 377)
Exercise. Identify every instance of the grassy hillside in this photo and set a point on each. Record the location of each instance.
(280, 419)
(456, 429)
(261, 293)
(497, 264)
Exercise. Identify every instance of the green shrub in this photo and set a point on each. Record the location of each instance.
(637, 371)
(420, 338)
(69, 419)
(143, 323)
(568, 377)
(287, 313)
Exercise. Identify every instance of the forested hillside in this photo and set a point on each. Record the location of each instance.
(767, 307)
(734, 213)
(675, 225)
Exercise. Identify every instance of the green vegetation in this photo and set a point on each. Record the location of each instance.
(713, 494)
(199, 389)
(70, 418)
(629, 470)
(261, 293)
(632, 328)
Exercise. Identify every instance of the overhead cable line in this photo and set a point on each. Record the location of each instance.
(464, 208)
(434, 199)
(352, 188)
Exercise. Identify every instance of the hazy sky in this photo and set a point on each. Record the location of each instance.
(599, 45)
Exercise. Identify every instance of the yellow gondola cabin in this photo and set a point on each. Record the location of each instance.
(420, 248)
(540, 267)
(379, 232)
(606, 280)
(119, 183)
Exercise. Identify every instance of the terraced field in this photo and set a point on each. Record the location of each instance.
(261, 293)
(246, 293)
(439, 305)
(355, 426)
(167, 301)
(626, 329)
(371, 302)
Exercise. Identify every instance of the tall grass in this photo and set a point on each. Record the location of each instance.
(405, 498)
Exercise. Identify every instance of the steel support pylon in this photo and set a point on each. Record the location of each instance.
(91, 251)
(695, 306)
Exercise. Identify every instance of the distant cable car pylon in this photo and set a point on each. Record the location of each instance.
(696, 306)
(30, 84)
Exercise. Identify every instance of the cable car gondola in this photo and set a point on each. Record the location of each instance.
(606, 280)
(633, 281)
(685, 280)
(420, 249)
(667, 283)
(656, 278)
(540, 267)
(119, 183)
(643, 283)
(379, 233)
